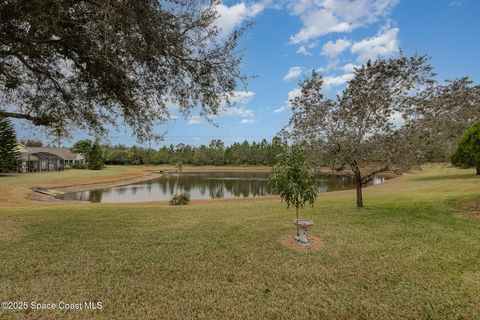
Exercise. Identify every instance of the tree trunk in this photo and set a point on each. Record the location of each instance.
(359, 194)
(298, 228)
(358, 182)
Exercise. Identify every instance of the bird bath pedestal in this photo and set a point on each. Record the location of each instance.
(302, 225)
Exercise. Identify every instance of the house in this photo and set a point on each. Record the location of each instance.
(36, 159)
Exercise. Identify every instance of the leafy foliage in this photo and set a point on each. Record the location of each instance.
(32, 143)
(82, 146)
(215, 153)
(356, 130)
(180, 199)
(95, 157)
(9, 154)
(77, 166)
(467, 154)
(293, 180)
(88, 64)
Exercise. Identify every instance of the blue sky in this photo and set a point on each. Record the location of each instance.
(290, 38)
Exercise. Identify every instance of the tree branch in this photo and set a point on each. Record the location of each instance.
(366, 179)
(38, 121)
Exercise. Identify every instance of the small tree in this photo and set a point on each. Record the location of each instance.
(293, 179)
(9, 155)
(83, 147)
(184, 197)
(95, 156)
(467, 154)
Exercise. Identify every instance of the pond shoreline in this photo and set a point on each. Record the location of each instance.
(53, 194)
(49, 194)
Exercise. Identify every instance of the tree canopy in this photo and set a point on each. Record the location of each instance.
(89, 64)
(95, 157)
(214, 153)
(292, 178)
(439, 116)
(9, 154)
(467, 154)
(357, 129)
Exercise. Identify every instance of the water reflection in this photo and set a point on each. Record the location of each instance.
(203, 186)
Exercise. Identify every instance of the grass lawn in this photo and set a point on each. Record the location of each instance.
(411, 253)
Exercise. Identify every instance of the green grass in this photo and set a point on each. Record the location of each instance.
(410, 254)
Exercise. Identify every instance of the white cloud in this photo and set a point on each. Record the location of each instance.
(234, 111)
(319, 23)
(350, 67)
(282, 108)
(194, 120)
(293, 73)
(196, 139)
(333, 81)
(303, 50)
(232, 17)
(238, 97)
(456, 4)
(321, 17)
(242, 97)
(382, 45)
(247, 121)
(332, 64)
(333, 49)
(291, 95)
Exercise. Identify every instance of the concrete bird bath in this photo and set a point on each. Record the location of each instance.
(302, 225)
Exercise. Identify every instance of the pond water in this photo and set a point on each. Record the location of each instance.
(208, 185)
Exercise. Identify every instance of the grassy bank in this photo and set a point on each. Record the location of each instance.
(410, 254)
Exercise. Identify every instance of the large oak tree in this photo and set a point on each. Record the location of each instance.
(90, 63)
(357, 130)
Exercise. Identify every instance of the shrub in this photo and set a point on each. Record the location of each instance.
(467, 154)
(77, 166)
(95, 157)
(180, 199)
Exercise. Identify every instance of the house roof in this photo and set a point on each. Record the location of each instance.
(43, 153)
(62, 153)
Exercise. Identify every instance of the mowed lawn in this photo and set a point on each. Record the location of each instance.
(411, 253)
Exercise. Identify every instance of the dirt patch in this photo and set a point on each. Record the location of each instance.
(469, 208)
(470, 205)
(473, 215)
(315, 244)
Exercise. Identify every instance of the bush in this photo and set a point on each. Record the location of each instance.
(77, 166)
(180, 199)
(467, 154)
(95, 157)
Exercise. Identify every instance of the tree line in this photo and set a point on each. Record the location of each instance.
(215, 153)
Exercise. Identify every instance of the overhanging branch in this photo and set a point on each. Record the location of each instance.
(38, 121)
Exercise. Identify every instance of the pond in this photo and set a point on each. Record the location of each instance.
(206, 185)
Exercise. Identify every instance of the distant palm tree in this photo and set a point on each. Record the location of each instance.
(178, 170)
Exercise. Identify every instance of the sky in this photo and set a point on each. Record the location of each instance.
(288, 39)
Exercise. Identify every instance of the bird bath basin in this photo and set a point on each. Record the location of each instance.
(302, 225)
